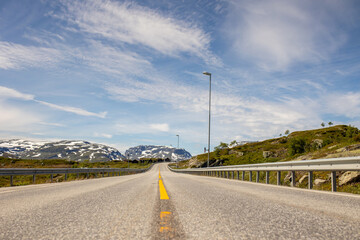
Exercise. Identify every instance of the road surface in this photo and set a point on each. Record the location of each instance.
(160, 204)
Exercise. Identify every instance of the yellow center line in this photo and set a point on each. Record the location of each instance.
(163, 193)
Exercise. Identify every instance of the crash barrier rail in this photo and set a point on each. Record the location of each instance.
(331, 164)
(46, 171)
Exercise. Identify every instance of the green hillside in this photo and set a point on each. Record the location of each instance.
(333, 141)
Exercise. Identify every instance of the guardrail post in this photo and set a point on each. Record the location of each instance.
(243, 176)
(65, 176)
(238, 175)
(278, 178)
(11, 181)
(267, 177)
(257, 176)
(108, 174)
(227, 174)
(233, 175)
(102, 174)
(333, 181)
(51, 178)
(293, 180)
(250, 176)
(34, 178)
(87, 175)
(310, 180)
(77, 175)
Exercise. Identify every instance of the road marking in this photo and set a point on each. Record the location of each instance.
(163, 193)
(165, 218)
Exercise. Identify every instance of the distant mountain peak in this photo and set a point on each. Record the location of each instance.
(155, 151)
(75, 150)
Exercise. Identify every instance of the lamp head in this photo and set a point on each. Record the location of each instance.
(207, 73)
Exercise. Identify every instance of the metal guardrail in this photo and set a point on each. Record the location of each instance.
(330, 164)
(51, 171)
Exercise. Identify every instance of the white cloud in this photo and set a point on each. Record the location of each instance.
(17, 119)
(162, 127)
(277, 34)
(12, 93)
(74, 110)
(6, 93)
(112, 60)
(103, 135)
(347, 104)
(141, 128)
(132, 24)
(17, 56)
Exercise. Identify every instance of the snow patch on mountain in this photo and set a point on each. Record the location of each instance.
(66, 149)
(163, 152)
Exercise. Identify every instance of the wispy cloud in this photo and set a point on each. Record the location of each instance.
(347, 104)
(6, 93)
(277, 34)
(162, 127)
(112, 60)
(17, 119)
(136, 25)
(74, 110)
(12, 93)
(17, 56)
(103, 135)
(141, 128)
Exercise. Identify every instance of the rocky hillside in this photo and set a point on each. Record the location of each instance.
(163, 152)
(328, 142)
(331, 142)
(70, 150)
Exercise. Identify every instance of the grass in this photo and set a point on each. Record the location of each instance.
(335, 141)
(58, 163)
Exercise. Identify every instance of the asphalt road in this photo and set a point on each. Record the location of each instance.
(185, 207)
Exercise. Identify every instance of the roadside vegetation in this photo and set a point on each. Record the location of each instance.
(326, 142)
(60, 163)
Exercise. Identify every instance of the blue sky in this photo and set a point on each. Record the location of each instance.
(126, 73)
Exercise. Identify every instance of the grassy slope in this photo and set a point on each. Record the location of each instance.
(282, 149)
(56, 163)
(336, 141)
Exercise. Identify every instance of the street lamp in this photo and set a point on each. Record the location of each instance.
(209, 74)
(177, 162)
(178, 140)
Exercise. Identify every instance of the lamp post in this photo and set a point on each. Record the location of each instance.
(177, 162)
(209, 74)
(178, 140)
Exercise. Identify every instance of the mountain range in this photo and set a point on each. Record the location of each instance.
(163, 152)
(77, 150)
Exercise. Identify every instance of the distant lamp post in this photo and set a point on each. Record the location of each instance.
(209, 74)
(178, 140)
(177, 162)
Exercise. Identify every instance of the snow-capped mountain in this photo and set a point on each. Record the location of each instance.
(70, 150)
(163, 152)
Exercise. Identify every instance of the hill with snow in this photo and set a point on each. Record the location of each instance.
(70, 150)
(163, 152)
